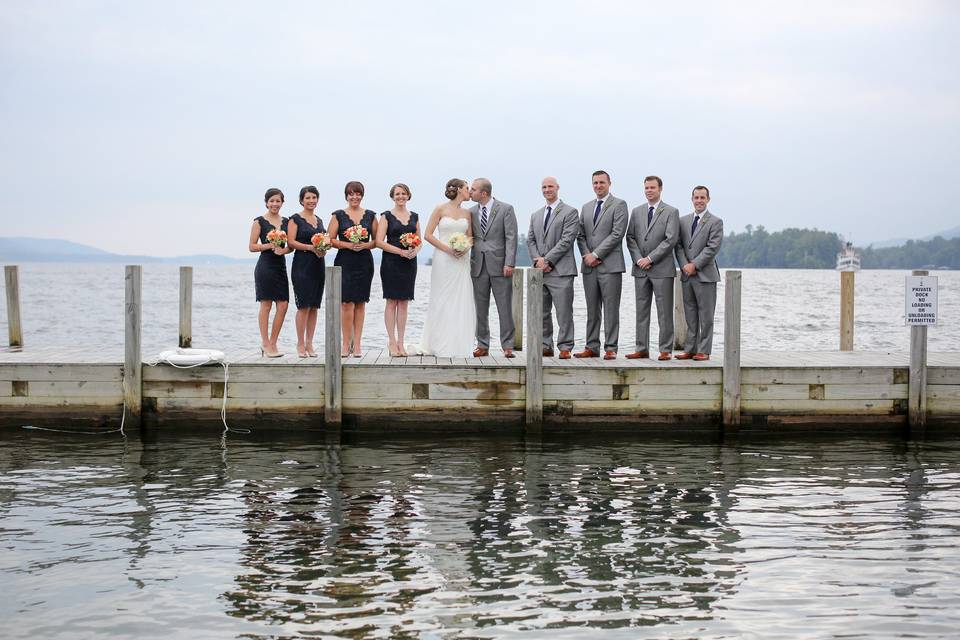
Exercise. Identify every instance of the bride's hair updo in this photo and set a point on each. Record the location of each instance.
(453, 186)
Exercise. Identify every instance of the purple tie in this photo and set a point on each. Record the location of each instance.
(649, 216)
(696, 221)
(596, 213)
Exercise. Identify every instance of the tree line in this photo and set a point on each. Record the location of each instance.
(814, 249)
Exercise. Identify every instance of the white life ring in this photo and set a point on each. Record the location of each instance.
(191, 357)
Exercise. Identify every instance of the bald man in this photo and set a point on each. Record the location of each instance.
(553, 232)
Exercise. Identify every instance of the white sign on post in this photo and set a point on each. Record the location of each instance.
(920, 300)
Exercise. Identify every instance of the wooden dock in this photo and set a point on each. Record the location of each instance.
(735, 388)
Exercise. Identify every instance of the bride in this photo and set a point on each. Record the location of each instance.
(451, 314)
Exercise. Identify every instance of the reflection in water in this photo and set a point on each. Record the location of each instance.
(482, 537)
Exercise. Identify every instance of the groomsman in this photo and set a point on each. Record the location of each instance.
(651, 237)
(701, 234)
(603, 223)
(492, 261)
(553, 230)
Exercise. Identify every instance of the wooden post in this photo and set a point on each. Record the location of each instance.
(917, 388)
(517, 306)
(186, 307)
(534, 415)
(731, 349)
(846, 310)
(679, 318)
(333, 365)
(132, 357)
(11, 276)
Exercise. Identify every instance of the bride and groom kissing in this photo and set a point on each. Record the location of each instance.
(459, 305)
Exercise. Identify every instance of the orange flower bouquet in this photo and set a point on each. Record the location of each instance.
(277, 238)
(321, 241)
(357, 234)
(410, 241)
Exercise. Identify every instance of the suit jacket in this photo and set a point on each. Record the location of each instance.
(498, 246)
(655, 241)
(556, 243)
(605, 238)
(701, 248)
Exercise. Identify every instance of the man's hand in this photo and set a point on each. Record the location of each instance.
(547, 268)
(689, 269)
(644, 263)
(539, 263)
(507, 272)
(591, 260)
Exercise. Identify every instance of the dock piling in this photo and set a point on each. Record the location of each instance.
(517, 307)
(186, 307)
(132, 355)
(333, 369)
(679, 318)
(11, 276)
(847, 279)
(731, 349)
(917, 387)
(534, 382)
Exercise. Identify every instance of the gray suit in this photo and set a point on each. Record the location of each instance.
(700, 290)
(655, 241)
(491, 252)
(555, 244)
(601, 284)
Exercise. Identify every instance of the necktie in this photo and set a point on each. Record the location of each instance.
(546, 220)
(596, 213)
(649, 216)
(696, 221)
(483, 220)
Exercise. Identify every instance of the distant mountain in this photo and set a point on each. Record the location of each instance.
(13, 250)
(947, 234)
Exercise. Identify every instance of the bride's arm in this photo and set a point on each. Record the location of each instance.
(432, 239)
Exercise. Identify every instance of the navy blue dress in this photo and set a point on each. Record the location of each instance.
(398, 274)
(270, 275)
(357, 273)
(307, 270)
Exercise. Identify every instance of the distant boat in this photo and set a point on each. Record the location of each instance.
(847, 259)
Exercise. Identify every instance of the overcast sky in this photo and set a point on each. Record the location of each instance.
(155, 127)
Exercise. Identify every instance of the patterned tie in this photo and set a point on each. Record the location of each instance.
(483, 220)
(649, 216)
(696, 221)
(596, 213)
(546, 220)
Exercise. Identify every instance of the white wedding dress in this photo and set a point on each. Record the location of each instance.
(451, 313)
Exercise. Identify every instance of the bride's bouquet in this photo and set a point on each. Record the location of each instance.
(357, 234)
(277, 238)
(460, 242)
(321, 241)
(410, 241)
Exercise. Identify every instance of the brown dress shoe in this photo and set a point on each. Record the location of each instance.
(480, 352)
(610, 355)
(564, 354)
(508, 353)
(700, 357)
(664, 355)
(586, 353)
(683, 355)
(547, 353)
(636, 355)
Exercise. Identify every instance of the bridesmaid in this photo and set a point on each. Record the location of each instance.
(356, 261)
(307, 271)
(270, 274)
(398, 268)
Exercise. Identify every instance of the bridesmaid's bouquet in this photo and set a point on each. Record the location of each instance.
(357, 234)
(277, 238)
(410, 241)
(459, 242)
(321, 241)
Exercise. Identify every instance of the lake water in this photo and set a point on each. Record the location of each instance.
(791, 310)
(177, 536)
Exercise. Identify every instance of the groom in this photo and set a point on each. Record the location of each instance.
(491, 264)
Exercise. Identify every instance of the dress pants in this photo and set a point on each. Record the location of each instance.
(699, 305)
(602, 291)
(502, 288)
